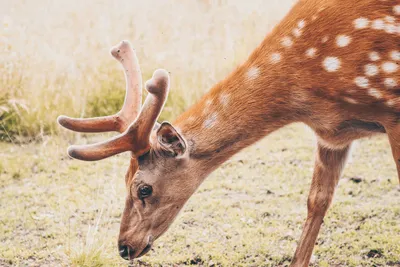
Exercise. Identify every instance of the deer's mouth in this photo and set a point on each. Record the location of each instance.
(147, 247)
(145, 250)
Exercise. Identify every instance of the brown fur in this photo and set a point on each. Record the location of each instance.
(261, 96)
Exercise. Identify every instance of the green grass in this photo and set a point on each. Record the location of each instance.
(55, 211)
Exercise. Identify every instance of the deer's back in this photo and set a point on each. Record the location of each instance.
(339, 62)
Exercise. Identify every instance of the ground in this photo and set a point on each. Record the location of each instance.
(55, 211)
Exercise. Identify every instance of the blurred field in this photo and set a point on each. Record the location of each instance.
(54, 55)
(55, 211)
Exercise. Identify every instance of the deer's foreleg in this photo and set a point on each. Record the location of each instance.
(328, 166)
(394, 139)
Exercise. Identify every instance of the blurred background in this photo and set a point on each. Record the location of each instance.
(55, 54)
(55, 211)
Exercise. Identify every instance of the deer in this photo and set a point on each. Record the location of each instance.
(330, 64)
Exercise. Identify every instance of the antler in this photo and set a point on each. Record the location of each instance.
(124, 53)
(135, 134)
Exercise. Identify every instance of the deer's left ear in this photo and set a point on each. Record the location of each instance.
(170, 140)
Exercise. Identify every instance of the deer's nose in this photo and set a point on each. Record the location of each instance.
(125, 251)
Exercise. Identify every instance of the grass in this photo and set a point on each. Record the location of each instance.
(55, 60)
(55, 211)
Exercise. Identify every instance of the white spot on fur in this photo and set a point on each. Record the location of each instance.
(350, 100)
(325, 39)
(191, 119)
(390, 67)
(207, 106)
(361, 82)
(374, 56)
(343, 40)
(311, 52)
(375, 93)
(287, 41)
(331, 64)
(390, 28)
(297, 32)
(390, 102)
(210, 121)
(253, 73)
(378, 24)
(301, 24)
(224, 99)
(390, 19)
(396, 9)
(395, 55)
(390, 83)
(393, 102)
(361, 23)
(275, 58)
(371, 70)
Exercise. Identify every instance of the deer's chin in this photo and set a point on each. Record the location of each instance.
(145, 251)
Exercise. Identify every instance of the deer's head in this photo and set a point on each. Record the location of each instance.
(155, 192)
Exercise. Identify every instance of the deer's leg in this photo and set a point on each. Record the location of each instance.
(327, 170)
(394, 139)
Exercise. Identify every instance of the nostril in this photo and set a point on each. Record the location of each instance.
(125, 251)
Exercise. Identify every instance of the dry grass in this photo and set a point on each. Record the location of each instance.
(55, 211)
(54, 54)
(60, 212)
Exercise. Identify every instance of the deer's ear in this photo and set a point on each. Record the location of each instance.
(170, 140)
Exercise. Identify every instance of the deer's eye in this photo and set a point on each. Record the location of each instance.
(145, 191)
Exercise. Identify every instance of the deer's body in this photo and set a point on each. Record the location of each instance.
(329, 88)
(331, 64)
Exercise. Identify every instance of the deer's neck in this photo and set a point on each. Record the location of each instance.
(253, 101)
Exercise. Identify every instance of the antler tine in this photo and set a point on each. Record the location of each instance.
(158, 88)
(136, 137)
(124, 53)
(102, 150)
(133, 76)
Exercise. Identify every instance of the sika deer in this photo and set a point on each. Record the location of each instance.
(331, 64)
